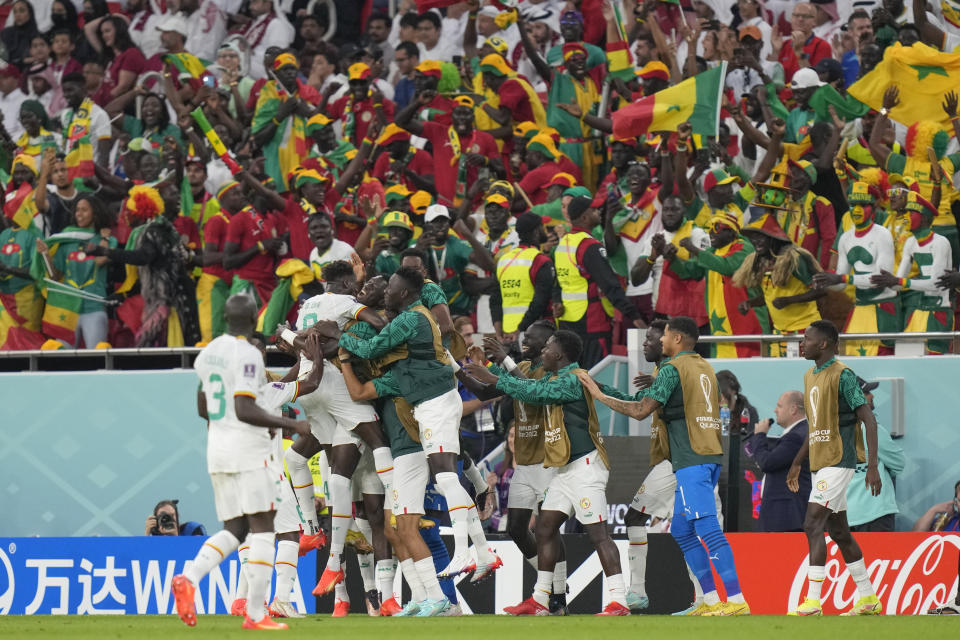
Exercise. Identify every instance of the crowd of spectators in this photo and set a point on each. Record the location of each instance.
(159, 155)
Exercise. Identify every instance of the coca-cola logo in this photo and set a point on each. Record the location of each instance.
(926, 578)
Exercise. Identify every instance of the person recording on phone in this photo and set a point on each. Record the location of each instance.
(165, 521)
(780, 508)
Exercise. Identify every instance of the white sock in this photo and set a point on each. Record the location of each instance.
(386, 573)
(478, 537)
(476, 478)
(383, 460)
(259, 572)
(458, 504)
(302, 481)
(560, 578)
(323, 463)
(341, 513)
(532, 561)
(367, 573)
(697, 589)
(409, 570)
(214, 550)
(711, 598)
(286, 568)
(340, 592)
(637, 558)
(815, 577)
(616, 590)
(543, 588)
(858, 571)
(428, 578)
(243, 551)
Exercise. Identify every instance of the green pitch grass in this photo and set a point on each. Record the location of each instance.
(484, 627)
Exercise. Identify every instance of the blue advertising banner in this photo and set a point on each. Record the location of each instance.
(116, 576)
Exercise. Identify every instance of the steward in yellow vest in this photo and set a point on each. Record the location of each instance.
(525, 276)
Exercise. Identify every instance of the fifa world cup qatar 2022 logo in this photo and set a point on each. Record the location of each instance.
(707, 388)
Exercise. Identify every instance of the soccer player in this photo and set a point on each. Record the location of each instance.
(572, 445)
(425, 380)
(835, 407)
(242, 462)
(687, 395)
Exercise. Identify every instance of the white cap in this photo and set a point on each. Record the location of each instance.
(489, 11)
(805, 79)
(174, 22)
(435, 211)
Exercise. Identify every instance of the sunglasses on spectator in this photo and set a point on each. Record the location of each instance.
(897, 191)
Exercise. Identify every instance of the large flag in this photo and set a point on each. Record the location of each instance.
(696, 99)
(292, 274)
(921, 73)
(288, 147)
(187, 64)
(20, 206)
(63, 302)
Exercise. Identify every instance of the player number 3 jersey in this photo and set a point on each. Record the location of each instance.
(229, 367)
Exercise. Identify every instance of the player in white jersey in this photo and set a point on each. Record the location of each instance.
(356, 422)
(289, 520)
(242, 462)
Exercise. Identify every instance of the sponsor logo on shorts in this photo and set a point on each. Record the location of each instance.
(427, 434)
(822, 485)
(585, 503)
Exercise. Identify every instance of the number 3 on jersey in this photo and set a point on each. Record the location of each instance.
(218, 394)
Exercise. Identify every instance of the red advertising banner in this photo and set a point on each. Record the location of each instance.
(911, 572)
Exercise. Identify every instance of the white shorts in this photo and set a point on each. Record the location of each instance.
(529, 485)
(336, 400)
(341, 436)
(322, 424)
(289, 516)
(439, 420)
(829, 487)
(365, 479)
(246, 492)
(410, 477)
(655, 495)
(580, 488)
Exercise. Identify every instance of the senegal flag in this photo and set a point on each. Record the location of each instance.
(292, 274)
(187, 64)
(921, 73)
(63, 307)
(696, 99)
(284, 152)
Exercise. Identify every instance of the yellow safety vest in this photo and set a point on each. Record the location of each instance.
(516, 285)
(573, 286)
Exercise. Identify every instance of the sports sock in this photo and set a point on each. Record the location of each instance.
(560, 578)
(367, 572)
(340, 592)
(214, 550)
(532, 561)
(302, 481)
(386, 574)
(543, 588)
(476, 478)
(815, 577)
(341, 513)
(383, 461)
(409, 570)
(721, 555)
(286, 568)
(428, 578)
(259, 572)
(693, 552)
(458, 504)
(637, 558)
(478, 537)
(323, 463)
(243, 551)
(858, 571)
(616, 590)
(441, 558)
(697, 591)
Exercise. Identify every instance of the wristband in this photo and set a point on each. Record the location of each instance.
(260, 246)
(453, 362)
(509, 364)
(288, 336)
(904, 282)
(377, 105)
(649, 261)
(275, 121)
(367, 140)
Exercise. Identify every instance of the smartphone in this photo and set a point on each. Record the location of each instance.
(210, 81)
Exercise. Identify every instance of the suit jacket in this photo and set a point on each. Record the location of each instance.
(780, 508)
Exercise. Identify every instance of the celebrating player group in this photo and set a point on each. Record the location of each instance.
(377, 377)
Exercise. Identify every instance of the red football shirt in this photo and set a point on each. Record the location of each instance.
(445, 165)
(363, 115)
(214, 237)
(247, 228)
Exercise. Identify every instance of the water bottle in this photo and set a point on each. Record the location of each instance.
(744, 421)
(724, 420)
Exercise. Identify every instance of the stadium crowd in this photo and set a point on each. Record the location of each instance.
(159, 155)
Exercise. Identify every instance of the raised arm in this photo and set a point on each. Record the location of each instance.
(545, 71)
(878, 148)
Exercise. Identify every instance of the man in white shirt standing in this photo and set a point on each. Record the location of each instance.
(207, 27)
(10, 100)
(430, 38)
(268, 29)
(242, 462)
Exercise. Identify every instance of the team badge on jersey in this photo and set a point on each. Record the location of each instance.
(585, 503)
(249, 370)
(822, 485)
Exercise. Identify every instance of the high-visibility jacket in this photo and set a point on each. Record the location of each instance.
(574, 284)
(516, 284)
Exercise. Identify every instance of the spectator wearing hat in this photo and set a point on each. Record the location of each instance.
(400, 162)
(782, 273)
(552, 210)
(750, 68)
(804, 84)
(804, 49)
(588, 290)
(543, 22)
(459, 150)
(572, 29)
(395, 235)
(11, 97)
(927, 256)
(361, 105)
(497, 235)
(717, 265)
(830, 72)
(809, 220)
(516, 100)
(542, 165)
(525, 277)
(623, 153)
(449, 257)
(426, 80)
(751, 16)
(866, 512)
(863, 251)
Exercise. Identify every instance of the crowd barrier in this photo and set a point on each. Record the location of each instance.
(911, 572)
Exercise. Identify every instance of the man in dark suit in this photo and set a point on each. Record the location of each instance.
(780, 508)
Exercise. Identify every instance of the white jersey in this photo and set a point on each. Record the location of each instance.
(337, 307)
(272, 397)
(933, 259)
(338, 250)
(228, 367)
(864, 256)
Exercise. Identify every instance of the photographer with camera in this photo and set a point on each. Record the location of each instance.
(165, 521)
